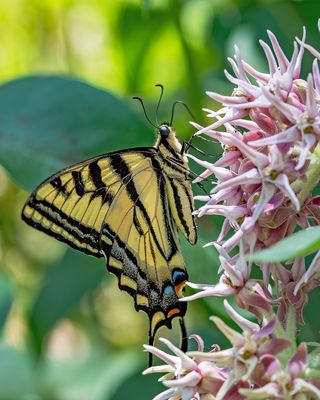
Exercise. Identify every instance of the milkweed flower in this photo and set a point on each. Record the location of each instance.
(231, 372)
(262, 186)
(186, 377)
(285, 383)
(269, 129)
(250, 294)
(243, 360)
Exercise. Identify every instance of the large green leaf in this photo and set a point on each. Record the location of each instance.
(299, 244)
(64, 285)
(48, 122)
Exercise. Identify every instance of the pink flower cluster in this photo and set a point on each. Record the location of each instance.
(269, 129)
(251, 369)
(265, 177)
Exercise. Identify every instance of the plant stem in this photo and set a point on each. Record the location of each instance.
(289, 333)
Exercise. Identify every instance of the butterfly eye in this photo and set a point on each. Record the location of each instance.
(164, 130)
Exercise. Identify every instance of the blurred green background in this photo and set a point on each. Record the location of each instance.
(68, 69)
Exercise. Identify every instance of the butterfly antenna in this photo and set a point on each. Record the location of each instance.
(159, 101)
(186, 107)
(184, 336)
(144, 110)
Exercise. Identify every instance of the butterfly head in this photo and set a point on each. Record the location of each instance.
(167, 139)
(167, 142)
(164, 130)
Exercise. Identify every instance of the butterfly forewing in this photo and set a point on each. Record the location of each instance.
(71, 205)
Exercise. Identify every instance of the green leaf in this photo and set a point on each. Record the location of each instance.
(298, 244)
(17, 380)
(6, 298)
(49, 122)
(62, 289)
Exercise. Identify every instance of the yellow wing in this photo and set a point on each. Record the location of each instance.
(71, 205)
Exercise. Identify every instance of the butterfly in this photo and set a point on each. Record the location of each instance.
(128, 207)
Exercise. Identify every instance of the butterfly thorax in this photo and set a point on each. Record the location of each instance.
(175, 171)
(171, 150)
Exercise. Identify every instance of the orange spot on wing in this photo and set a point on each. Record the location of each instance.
(178, 288)
(172, 312)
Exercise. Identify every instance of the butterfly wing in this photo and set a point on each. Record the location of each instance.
(140, 241)
(71, 205)
(117, 205)
(127, 206)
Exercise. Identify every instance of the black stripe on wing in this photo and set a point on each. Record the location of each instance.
(121, 168)
(179, 207)
(82, 233)
(78, 183)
